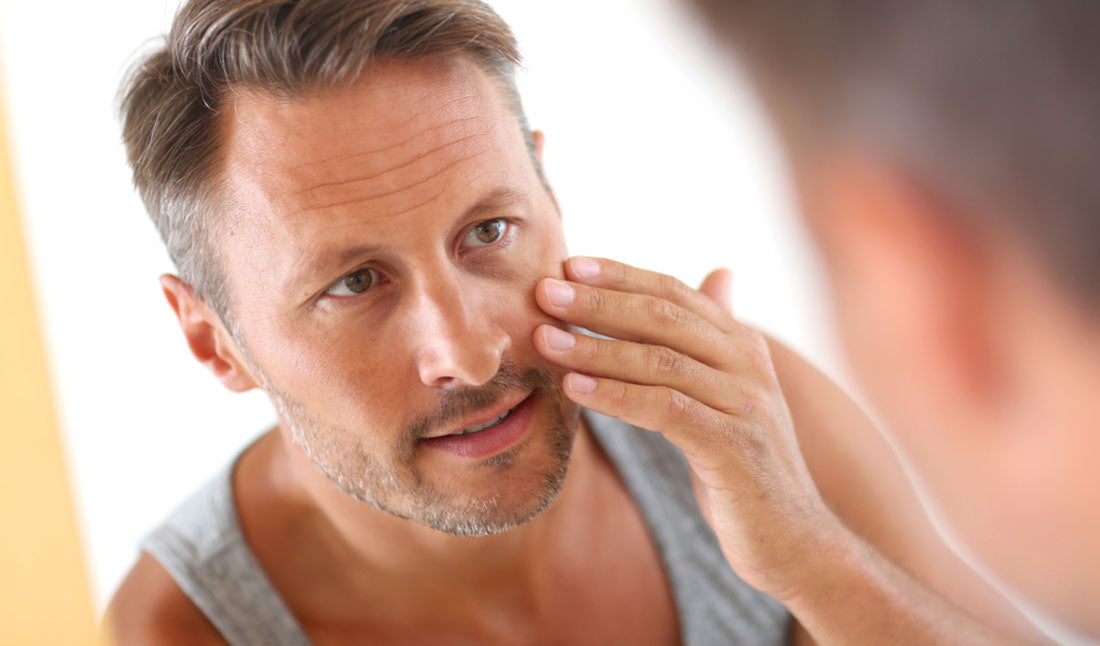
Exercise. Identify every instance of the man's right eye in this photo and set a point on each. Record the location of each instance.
(354, 283)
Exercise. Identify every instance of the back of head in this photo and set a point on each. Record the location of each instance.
(172, 100)
(992, 103)
(944, 150)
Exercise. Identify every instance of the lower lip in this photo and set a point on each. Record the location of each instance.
(491, 440)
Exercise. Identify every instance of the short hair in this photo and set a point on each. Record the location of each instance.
(170, 101)
(993, 104)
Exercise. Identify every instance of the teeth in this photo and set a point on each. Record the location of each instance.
(482, 427)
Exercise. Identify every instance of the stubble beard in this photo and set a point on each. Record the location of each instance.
(396, 485)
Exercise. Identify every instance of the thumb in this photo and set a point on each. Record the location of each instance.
(718, 287)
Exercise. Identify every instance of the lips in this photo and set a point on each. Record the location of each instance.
(481, 427)
(498, 432)
(485, 418)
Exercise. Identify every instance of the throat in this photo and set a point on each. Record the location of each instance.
(331, 556)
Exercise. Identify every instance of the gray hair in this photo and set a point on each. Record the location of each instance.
(994, 104)
(170, 101)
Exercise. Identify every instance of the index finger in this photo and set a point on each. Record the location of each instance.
(609, 274)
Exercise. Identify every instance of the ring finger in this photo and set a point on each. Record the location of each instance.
(637, 363)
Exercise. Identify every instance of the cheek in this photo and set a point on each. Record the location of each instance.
(508, 296)
(341, 375)
(548, 250)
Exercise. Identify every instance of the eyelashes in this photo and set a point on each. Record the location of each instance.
(484, 234)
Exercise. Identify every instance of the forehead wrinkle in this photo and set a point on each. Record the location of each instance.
(353, 156)
(408, 163)
(390, 193)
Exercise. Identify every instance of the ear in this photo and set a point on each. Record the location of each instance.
(911, 282)
(207, 337)
(539, 139)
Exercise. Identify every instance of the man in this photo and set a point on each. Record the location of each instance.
(362, 229)
(946, 153)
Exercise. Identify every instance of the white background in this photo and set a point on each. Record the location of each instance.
(658, 155)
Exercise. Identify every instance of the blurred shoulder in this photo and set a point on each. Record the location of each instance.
(150, 608)
(865, 484)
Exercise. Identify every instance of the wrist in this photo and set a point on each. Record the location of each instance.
(823, 564)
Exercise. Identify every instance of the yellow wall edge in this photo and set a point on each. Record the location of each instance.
(44, 594)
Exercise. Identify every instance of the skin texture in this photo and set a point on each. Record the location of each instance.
(399, 161)
(679, 364)
(294, 229)
(400, 168)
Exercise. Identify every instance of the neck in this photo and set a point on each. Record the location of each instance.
(360, 537)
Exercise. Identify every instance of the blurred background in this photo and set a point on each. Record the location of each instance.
(658, 155)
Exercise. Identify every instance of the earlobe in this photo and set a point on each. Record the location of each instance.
(208, 340)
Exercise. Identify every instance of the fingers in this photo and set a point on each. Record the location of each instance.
(636, 363)
(718, 287)
(634, 317)
(609, 274)
(686, 422)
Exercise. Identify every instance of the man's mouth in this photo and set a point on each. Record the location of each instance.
(484, 419)
(482, 427)
(488, 433)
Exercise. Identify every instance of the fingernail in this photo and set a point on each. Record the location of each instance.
(558, 339)
(581, 384)
(560, 294)
(585, 267)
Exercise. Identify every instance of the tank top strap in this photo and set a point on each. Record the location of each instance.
(202, 546)
(714, 605)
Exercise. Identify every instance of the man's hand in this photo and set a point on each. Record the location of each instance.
(682, 365)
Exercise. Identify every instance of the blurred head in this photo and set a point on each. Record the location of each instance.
(944, 154)
(352, 187)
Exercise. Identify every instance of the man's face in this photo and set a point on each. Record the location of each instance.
(381, 242)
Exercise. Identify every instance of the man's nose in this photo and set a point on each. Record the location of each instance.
(457, 339)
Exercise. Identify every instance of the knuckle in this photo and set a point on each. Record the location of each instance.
(664, 313)
(667, 362)
(618, 394)
(600, 348)
(749, 441)
(757, 354)
(618, 272)
(597, 301)
(676, 402)
(752, 404)
(671, 286)
(614, 394)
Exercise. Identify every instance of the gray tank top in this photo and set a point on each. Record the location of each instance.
(202, 547)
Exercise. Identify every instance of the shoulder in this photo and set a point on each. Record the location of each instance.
(150, 608)
(864, 482)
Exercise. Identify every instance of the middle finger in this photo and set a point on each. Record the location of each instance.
(634, 317)
(638, 363)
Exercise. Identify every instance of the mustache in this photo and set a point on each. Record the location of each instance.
(456, 404)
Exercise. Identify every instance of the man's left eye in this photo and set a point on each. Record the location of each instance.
(485, 233)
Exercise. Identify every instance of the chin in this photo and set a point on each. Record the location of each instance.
(508, 489)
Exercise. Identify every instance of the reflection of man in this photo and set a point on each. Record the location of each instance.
(362, 229)
(946, 155)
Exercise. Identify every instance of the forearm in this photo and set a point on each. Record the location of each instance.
(851, 594)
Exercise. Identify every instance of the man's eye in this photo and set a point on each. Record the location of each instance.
(354, 283)
(485, 233)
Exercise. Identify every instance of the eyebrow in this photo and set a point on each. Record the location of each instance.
(499, 199)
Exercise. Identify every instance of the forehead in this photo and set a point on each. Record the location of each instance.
(396, 141)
